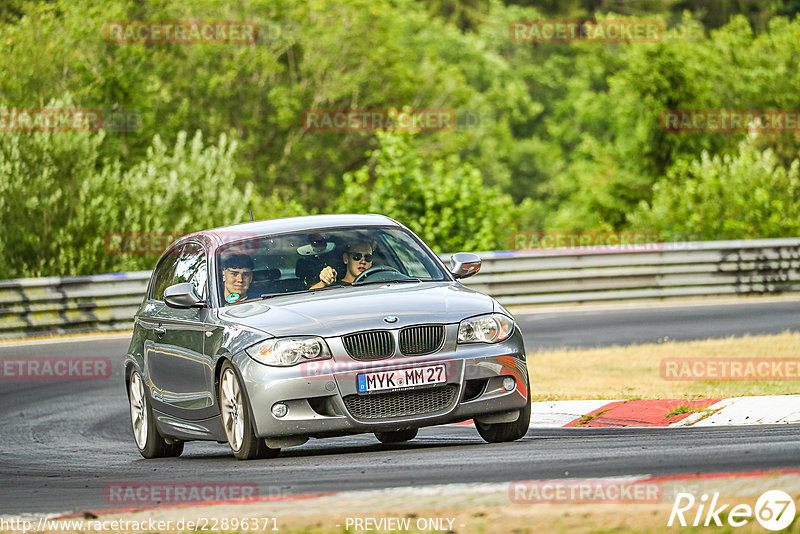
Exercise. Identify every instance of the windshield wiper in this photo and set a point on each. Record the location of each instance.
(397, 280)
(298, 292)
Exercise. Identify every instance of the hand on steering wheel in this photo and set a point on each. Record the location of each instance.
(372, 270)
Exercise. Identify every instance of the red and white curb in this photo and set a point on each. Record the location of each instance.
(763, 410)
(766, 410)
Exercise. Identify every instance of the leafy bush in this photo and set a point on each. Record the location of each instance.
(59, 200)
(446, 203)
(54, 202)
(570, 131)
(743, 196)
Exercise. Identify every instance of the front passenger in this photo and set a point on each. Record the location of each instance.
(237, 273)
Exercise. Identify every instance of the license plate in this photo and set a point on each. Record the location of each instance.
(401, 378)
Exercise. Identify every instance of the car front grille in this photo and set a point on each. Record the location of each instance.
(417, 340)
(369, 345)
(401, 403)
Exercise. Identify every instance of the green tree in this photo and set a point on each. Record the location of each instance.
(317, 54)
(600, 134)
(743, 196)
(59, 201)
(467, 15)
(446, 202)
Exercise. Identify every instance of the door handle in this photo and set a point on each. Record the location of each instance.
(160, 331)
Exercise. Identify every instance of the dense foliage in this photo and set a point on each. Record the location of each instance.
(548, 136)
(447, 204)
(61, 205)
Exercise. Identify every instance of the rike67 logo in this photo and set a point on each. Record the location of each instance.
(774, 510)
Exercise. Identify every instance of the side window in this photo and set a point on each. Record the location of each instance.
(165, 271)
(191, 267)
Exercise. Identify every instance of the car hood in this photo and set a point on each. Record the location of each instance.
(338, 311)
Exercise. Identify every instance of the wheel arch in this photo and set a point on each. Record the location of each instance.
(128, 368)
(221, 359)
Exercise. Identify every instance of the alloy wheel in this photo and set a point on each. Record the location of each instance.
(232, 412)
(138, 411)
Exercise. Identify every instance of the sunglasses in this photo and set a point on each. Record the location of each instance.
(357, 256)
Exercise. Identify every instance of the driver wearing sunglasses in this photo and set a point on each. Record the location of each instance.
(357, 259)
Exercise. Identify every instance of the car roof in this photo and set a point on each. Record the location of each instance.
(235, 232)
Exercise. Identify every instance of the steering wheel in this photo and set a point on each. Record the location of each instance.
(377, 269)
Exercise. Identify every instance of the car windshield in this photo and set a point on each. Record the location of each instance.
(272, 265)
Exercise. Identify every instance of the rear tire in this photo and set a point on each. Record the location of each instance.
(396, 436)
(503, 432)
(237, 419)
(149, 441)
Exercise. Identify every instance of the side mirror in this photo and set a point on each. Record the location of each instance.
(182, 296)
(464, 264)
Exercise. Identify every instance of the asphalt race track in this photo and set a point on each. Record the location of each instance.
(61, 442)
(658, 323)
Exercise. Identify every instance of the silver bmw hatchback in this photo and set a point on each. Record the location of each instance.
(266, 334)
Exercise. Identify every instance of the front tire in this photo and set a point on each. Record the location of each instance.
(396, 436)
(503, 432)
(237, 420)
(150, 442)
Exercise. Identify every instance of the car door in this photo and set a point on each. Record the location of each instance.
(182, 376)
(150, 320)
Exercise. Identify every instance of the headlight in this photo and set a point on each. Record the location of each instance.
(485, 329)
(288, 351)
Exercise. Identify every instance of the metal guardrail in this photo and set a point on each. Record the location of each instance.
(55, 305)
(655, 271)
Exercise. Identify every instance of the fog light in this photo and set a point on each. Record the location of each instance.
(279, 410)
(508, 384)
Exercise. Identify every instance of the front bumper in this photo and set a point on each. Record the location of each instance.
(321, 396)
